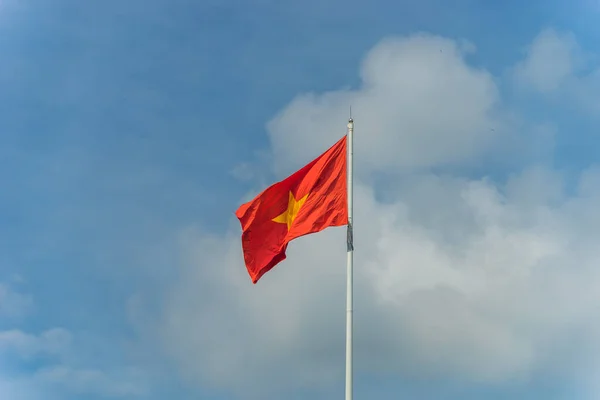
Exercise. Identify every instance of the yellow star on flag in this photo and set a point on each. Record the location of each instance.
(289, 215)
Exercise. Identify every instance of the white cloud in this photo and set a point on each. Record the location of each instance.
(464, 278)
(66, 368)
(54, 341)
(551, 61)
(557, 67)
(67, 374)
(419, 105)
(481, 284)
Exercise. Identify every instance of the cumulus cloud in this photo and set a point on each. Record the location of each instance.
(550, 61)
(480, 284)
(557, 67)
(419, 105)
(467, 278)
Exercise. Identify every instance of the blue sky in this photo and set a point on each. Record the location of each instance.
(131, 131)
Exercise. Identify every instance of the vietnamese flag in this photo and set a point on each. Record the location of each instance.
(308, 201)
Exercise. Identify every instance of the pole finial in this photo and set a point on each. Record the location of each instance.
(350, 120)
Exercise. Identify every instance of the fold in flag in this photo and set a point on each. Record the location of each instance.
(308, 201)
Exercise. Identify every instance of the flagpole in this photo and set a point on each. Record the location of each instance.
(349, 265)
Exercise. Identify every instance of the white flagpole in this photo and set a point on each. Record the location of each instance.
(349, 266)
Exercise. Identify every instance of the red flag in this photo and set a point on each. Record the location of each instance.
(308, 201)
